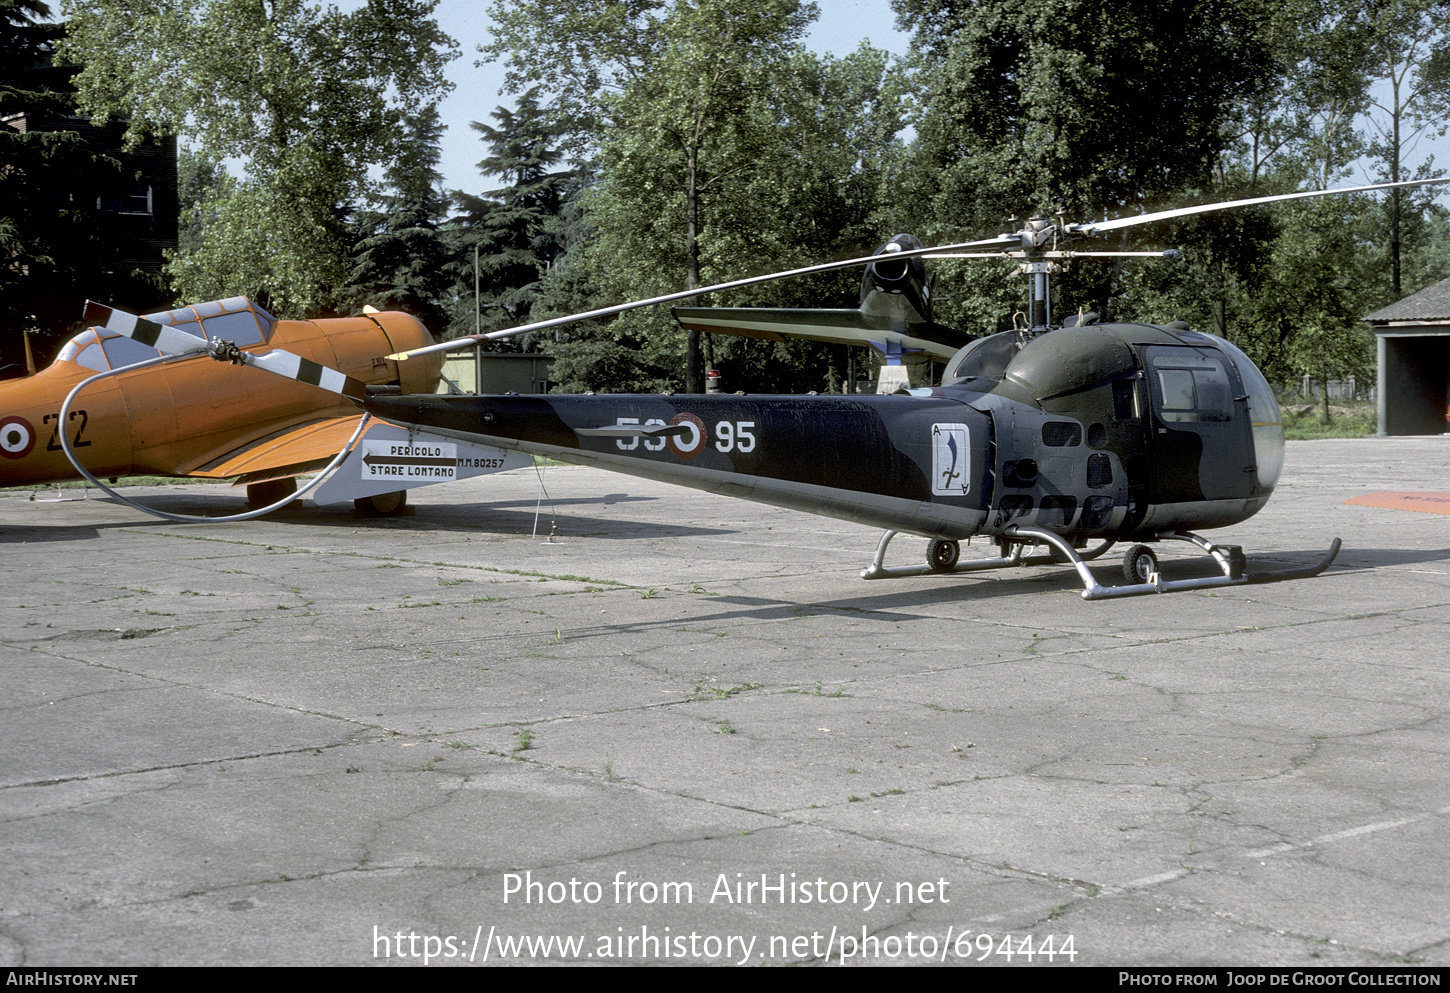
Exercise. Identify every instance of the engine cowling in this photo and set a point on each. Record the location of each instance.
(897, 288)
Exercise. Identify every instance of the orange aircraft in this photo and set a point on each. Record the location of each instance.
(191, 416)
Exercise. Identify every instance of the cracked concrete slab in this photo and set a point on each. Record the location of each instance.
(323, 739)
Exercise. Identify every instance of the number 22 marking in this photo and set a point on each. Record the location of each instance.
(54, 444)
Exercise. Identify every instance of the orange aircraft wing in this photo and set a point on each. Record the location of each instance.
(289, 452)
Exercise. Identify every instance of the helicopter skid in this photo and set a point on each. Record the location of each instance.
(1229, 559)
(878, 571)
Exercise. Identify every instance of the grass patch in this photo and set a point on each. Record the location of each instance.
(1306, 422)
(721, 692)
(124, 481)
(545, 575)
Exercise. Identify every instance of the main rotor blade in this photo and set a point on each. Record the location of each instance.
(1002, 241)
(170, 341)
(1098, 227)
(290, 365)
(149, 333)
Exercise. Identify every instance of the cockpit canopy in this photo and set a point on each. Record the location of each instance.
(235, 319)
(1189, 381)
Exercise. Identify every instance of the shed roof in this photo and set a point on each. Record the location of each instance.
(1430, 304)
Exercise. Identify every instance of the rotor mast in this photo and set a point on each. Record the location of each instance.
(1039, 252)
(1039, 270)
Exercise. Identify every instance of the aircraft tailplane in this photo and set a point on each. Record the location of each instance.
(844, 327)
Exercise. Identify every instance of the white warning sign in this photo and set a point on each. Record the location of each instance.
(431, 461)
(391, 458)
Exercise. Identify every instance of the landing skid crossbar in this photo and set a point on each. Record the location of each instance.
(1140, 562)
(878, 571)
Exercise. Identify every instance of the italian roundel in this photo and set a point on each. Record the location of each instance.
(17, 437)
(690, 445)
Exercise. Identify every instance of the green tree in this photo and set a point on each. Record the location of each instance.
(819, 196)
(680, 93)
(1299, 131)
(309, 97)
(1304, 129)
(1292, 282)
(199, 179)
(1408, 55)
(515, 230)
(57, 246)
(1305, 314)
(1041, 105)
(400, 255)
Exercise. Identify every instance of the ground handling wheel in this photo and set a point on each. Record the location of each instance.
(1139, 564)
(265, 494)
(382, 504)
(942, 555)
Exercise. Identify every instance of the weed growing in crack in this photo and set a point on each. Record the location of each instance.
(721, 692)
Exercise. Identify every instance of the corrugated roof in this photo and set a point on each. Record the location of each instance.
(1430, 304)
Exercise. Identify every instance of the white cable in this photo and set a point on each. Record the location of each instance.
(185, 518)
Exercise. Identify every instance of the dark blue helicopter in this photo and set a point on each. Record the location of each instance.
(1071, 436)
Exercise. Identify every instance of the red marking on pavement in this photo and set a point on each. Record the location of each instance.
(1429, 503)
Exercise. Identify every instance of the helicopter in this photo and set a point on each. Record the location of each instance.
(1072, 436)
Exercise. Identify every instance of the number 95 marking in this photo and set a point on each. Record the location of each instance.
(734, 437)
